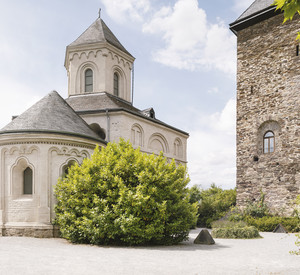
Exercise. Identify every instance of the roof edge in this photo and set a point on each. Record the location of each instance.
(133, 113)
(51, 132)
(102, 93)
(253, 19)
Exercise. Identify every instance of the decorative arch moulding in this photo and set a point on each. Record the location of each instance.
(92, 147)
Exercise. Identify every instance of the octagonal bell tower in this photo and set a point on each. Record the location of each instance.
(97, 62)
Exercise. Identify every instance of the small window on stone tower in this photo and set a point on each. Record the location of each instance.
(116, 84)
(88, 78)
(27, 177)
(297, 50)
(269, 142)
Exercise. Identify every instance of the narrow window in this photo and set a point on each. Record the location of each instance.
(27, 176)
(177, 148)
(88, 78)
(66, 168)
(297, 50)
(136, 136)
(116, 84)
(269, 142)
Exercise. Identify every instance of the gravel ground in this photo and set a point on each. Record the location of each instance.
(270, 255)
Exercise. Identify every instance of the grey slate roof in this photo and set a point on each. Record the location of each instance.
(98, 101)
(51, 115)
(255, 7)
(259, 10)
(96, 33)
(102, 102)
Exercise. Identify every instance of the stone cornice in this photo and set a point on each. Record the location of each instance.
(95, 47)
(14, 139)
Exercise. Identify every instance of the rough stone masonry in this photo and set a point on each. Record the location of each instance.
(268, 88)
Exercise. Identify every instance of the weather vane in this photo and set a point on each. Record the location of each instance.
(99, 13)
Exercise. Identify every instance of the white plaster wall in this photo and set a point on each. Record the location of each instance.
(46, 156)
(104, 60)
(121, 123)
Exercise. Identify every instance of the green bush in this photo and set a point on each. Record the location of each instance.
(258, 208)
(214, 204)
(234, 230)
(228, 224)
(122, 196)
(249, 232)
(235, 216)
(194, 194)
(269, 223)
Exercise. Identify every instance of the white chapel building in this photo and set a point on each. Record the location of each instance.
(38, 146)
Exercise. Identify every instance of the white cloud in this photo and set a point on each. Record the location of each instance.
(122, 10)
(240, 6)
(211, 149)
(191, 42)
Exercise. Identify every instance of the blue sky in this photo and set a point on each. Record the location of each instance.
(185, 65)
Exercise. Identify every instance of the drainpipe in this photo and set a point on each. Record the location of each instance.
(107, 126)
(132, 83)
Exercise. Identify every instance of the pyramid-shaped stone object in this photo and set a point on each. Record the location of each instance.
(204, 238)
(280, 229)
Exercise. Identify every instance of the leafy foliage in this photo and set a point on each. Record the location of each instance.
(122, 196)
(297, 207)
(257, 208)
(234, 230)
(214, 204)
(194, 194)
(227, 224)
(290, 8)
(297, 243)
(269, 223)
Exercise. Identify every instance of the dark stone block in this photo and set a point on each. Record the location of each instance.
(280, 229)
(204, 238)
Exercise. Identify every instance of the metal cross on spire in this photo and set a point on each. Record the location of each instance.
(99, 12)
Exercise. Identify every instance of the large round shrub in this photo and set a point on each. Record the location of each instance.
(122, 196)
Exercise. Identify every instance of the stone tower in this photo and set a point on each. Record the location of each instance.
(97, 62)
(268, 105)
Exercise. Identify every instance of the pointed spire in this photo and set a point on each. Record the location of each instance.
(98, 32)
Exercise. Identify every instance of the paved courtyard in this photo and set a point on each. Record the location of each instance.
(270, 255)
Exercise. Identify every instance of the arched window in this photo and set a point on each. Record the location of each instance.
(88, 81)
(158, 143)
(177, 147)
(116, 84)
(269, 142)
(137, 135)
(27, 181)
(66, 168)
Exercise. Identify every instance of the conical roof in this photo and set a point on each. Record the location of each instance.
(96, 33)
(51, 115)
(259, 10)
